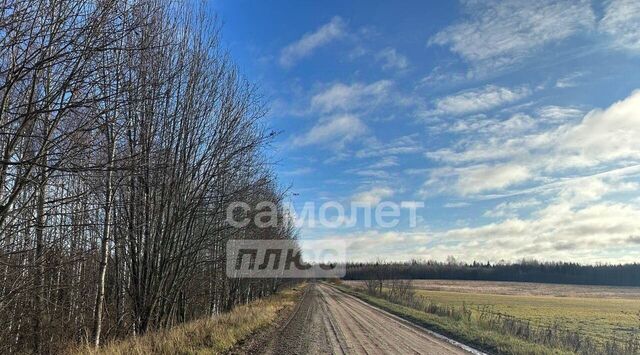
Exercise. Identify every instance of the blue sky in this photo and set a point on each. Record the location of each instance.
(515, 122)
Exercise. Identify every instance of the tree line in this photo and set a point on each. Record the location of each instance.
(125, 133)
(523, 271)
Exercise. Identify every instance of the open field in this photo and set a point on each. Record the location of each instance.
(529, 289)
(595, 311)
(215, 335)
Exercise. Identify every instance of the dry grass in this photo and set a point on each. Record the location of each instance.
(529, 289)
(582, 319)
(599, 317)
(599, 311)
(206, 336)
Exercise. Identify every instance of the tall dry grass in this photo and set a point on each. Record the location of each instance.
(205, 336)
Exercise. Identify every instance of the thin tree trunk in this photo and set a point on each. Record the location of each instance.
(104, 248)
(38, 260)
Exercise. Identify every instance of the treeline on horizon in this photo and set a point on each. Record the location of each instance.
(523, 271)
(125, 133)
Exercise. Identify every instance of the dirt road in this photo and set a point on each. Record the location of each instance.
(328, 321)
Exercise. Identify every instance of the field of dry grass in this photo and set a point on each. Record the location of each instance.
(206, 336)
(528, 289)
(600, 312)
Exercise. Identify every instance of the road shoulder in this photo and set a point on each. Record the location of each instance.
(264, 337)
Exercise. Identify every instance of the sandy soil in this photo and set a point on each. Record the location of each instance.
(328, 321)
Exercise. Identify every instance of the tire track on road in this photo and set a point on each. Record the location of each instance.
(329, 321)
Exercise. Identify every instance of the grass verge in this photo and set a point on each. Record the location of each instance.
(466, 332)
(215, 335)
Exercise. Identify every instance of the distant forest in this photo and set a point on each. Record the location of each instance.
(524, 271)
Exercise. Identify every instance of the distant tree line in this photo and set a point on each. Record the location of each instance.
(524, 271)
(125, 132)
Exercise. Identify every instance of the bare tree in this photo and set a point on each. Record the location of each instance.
(126, 132)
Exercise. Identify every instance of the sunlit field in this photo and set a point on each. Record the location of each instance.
(602, 312)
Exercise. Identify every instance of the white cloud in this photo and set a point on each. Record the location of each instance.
(481, 151)
(456, 204)
(510, 209)
(498, 33)
(379, 169)
(416, 171)
(569, 81)
(469, 180)
(441, 75)
(357, 52)
(601, 136)
(621, 22)
(373, 244)
(401, 145)
(373, 196)
(340, 107)
(477, 100)
(303, 47)
(336, 130)
(481, 178)
(481, 124)
(392, 59)
(385, 162)
(556, 232)
(349, 97)
(559, 113)
(574, 226)
(601, 232)
(581, 188)
(600, 140)
(592, 188)
(371, 173)
(605, 135)
(577, 223)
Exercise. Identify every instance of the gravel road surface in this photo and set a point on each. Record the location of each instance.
(328, 321)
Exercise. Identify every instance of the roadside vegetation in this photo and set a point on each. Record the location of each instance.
(214, 335)
(471, 319)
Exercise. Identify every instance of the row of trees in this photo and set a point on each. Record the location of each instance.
(523, 271)
(125, 132)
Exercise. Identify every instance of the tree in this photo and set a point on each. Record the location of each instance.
(126, 133)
